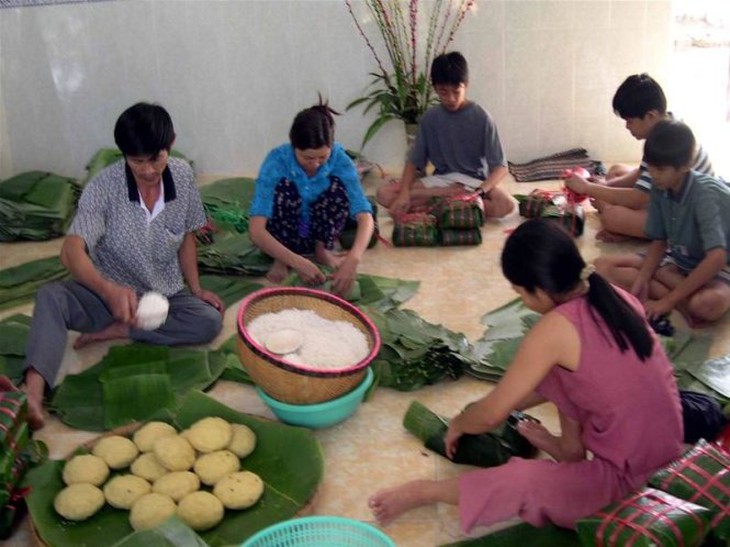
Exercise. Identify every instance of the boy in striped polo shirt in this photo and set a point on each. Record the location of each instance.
(623, 197)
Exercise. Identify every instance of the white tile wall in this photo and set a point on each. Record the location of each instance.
(233, 73)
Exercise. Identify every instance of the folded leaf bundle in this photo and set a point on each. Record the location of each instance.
(449, 237)
(460, 212)
(415, 230)
(483, 450)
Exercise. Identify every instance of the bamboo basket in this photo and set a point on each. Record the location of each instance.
(297, 384)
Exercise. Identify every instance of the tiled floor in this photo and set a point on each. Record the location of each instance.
(372, 450)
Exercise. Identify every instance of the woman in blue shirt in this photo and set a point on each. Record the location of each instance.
(305, 192)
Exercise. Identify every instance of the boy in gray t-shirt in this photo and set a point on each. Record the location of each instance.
(687, 264)
(460, 139)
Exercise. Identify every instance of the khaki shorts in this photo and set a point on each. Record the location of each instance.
(449, 179)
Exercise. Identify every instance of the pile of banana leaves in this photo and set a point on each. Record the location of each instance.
(13, 337)
(36, 206)
(231, 253)
(19, 284)
(104, 157)
(288, 459)
(226, 202)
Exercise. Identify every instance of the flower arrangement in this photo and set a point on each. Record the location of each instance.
(402, 90)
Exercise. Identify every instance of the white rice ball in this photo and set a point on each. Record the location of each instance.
(152, 310)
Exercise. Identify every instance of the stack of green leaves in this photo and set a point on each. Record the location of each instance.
(36, 205)
(231, 253)
(131, 383)
(104, 157)
(19, 284)
(415, 353)
(227, 201)
(288, 459)
(14, 332)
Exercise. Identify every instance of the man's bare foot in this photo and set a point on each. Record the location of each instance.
(278, 272)
(112, 332)
(540, 437)
(328, 258)
(611, 237)
(387, 505)
(35, 385)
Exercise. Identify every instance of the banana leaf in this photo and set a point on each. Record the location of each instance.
(227, 201)
(376, 292)
(104, 157)
(232, 253)
(79, 399)
(229, 289)
(36, 205)
(19, 284)
(233, 371)
(524, 534)
(415, 353)
(134, 392)
(288, 459)
(13, 336)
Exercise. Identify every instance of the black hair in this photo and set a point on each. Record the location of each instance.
(669, 143)
(540, 254)
(144, 130)
(449, 69)
(637, 95)
(314, 127)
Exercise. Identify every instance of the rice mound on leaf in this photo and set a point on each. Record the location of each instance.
(210, 434)
(177, 484)
(151, 510)
(214, 466)
(118, 452)
(174, 453)
(200, 510)
(78, 501)
(239, 490)
(85, 468)
(123, 490)
(147, 467)
(146, 435)
(243, 440)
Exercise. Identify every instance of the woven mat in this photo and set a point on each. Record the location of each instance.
(550, 167)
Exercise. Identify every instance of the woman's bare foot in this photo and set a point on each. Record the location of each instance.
(541, 438)
(390, 503)
(277, 272)
(112, 332)
(611, 237)
(387, 505)
(328, 258)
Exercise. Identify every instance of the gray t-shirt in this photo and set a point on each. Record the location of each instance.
(465, 141)
(123, 245)
(693, 221)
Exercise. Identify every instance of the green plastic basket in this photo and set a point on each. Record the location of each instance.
(320, 531)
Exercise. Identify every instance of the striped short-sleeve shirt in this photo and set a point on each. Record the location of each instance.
(124, 246)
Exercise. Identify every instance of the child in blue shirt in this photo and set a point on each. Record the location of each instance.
(305, 192)
(686, 266)
(460, 139)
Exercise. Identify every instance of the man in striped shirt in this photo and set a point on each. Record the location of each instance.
(623, 197)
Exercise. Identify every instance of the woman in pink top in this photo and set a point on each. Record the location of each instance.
(594, 356)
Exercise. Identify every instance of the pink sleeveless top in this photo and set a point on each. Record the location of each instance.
(629, 410)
